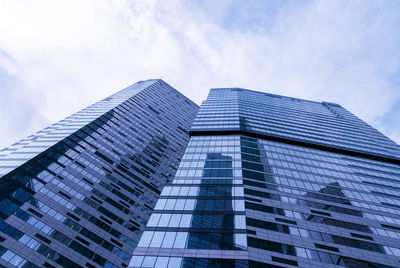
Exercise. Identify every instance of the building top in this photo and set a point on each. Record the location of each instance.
(270, 94)
(316, 123)
(25, 149)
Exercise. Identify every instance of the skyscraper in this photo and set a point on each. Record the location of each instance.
(274, 181)
(78, 193)
(263, 181)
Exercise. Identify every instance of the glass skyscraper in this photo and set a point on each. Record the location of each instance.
(274, 181)
(145, 178)
(78, 193)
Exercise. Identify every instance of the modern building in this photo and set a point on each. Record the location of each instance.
(78, 193)
(248, 180)
(274, 181)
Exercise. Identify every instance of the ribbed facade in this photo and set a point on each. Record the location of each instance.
(274, 181)
(78, 193)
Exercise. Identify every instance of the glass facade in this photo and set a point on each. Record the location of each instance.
(289, 119)
(273, 181)
(78, 193)
(144, 178)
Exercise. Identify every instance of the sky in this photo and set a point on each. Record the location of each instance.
(58, 57)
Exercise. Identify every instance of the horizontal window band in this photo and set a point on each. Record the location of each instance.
(208, 132)
(195, 197)
(198, 230)
(200, 212)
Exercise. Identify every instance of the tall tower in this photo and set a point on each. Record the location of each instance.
(274, 181)
(78, 193)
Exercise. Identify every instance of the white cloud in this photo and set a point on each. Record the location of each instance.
(69, 54)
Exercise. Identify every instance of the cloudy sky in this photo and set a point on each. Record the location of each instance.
(57, 57)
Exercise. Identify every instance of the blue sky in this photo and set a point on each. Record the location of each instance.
(57, 57)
